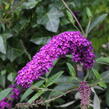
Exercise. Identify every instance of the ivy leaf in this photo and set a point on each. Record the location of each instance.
(39, 40)
(2, 45)
(30, 4)
(51, 19)
(11, 77)
(13, 53)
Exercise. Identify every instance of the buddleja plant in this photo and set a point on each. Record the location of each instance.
(73, 44)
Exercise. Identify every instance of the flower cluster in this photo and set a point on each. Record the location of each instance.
(15, 92)
(65, 43)
(4, 104)
(7, 103)
(85, 92)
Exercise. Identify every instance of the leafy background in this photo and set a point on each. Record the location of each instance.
(26, 25)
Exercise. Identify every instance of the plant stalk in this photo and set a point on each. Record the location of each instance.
(73, 16)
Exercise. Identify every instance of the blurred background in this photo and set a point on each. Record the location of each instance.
(26, 25)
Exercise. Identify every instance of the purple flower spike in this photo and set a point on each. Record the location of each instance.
(7, 103)
(65, 43)
(15, 92)
(4, 104)
(85, 92)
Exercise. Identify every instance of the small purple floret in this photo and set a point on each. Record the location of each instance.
(60, 45)
(4, 104)
(15, 92)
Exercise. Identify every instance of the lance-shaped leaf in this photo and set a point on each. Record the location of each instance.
(30, 91)
(71, 69)
(97, 21)
(53, 78)
(5, 93)
(98, 77)
(103, 60)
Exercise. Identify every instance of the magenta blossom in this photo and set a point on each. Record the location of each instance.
(4, 104)
(15, 92)
(60, 45)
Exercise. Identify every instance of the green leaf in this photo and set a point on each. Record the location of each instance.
(37, 95)
(107, 96)
(96, 102)
(71, 69)
(97, 21)
(5, 93)
(48, 73)
(68, 79)
(60, 89)
(51, 19)
(3, 78)
(13, 53)
(30, 91)
(2, 26)
(55, 93)
(89, 13)
(2, 45)
(30, 4)
(7, 35)
(103, 60)
(15, 50)
(54, 78)
(70, 17)
(98, 76)
(64, 79)
(39, 40)
(11, 77)
(105, 76)
(99, 41)
(64, 83)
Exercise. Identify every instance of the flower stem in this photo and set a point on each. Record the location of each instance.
(26, 52)
(73, 16)
(52, 99)
(87, 28)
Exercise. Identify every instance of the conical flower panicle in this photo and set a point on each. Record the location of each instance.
(65, 43)
(85, 93)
